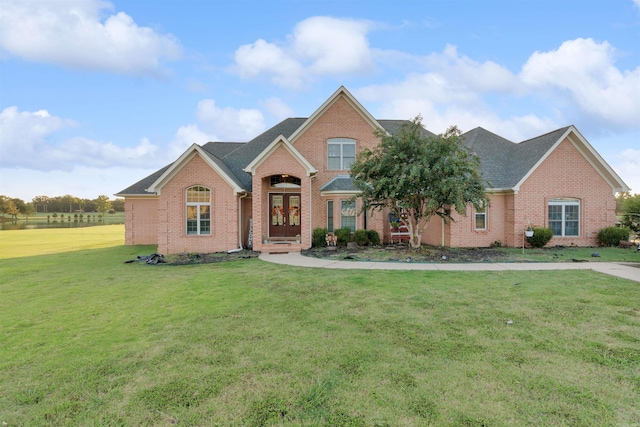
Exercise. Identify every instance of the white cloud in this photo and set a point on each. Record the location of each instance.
(585, 71)
(218, 124)
(333, 46)
(27, 140)
(188, 135)
(628, 167)
(261, 57)
(73, 34)
(455, 89)
(228, 123)
(277, 108)
(637, 3)
(319, 46)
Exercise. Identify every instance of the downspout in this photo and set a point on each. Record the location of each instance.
(239, 224)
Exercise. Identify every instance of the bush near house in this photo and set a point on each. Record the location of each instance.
(611, 236)
(541, 236)
(344, 236)
(374, 237)
(319, 237)
(361, 237)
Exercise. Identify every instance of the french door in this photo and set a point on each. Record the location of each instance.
(284, 214)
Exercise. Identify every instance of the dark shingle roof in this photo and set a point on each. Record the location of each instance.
(503, 163)
(339, 183)
(140, 187)
(240, 158)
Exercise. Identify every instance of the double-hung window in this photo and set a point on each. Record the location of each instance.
(481, 218)
(564, 217)
(341, 153)
(198, 210)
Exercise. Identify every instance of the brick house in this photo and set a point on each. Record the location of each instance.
(271, 192)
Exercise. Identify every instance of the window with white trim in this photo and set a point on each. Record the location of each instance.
(198, 210)
(341, 153)
(481, 218)
(348, 214)
(330, 216)
(564, 217)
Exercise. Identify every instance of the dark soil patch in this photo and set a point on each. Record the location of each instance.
(403, 253)
(197, 258)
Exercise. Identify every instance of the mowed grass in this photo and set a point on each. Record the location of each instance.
(88, 340)
(27, 243)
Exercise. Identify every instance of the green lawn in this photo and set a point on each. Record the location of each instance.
(88, 340)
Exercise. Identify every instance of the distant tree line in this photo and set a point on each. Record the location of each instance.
(62, 204)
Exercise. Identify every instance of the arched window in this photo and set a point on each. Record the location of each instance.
(341, 153)
(564, 217)
(198, 210)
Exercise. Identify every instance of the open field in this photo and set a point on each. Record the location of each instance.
(89, 340)
(47, 220)
(23, 243)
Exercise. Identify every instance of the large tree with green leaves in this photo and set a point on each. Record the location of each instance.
(630, 208)
(103, 204)
(418, 176)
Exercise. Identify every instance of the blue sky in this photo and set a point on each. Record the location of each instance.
(96, 95)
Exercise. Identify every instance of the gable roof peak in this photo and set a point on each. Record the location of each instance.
(341, 92)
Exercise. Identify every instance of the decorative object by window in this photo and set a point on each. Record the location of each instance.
(277, 211)
(294, 210)
(564, 217)
(341, 153)
(198, 210)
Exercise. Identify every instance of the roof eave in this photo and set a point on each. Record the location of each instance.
(341, 91)
(281, 140)
(157, 185)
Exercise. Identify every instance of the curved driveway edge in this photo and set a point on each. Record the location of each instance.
(298, 260)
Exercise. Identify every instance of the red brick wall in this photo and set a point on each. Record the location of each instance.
(279, 162)
(140, 221)
(464, 233)
(340, 120)
(565, 173)
(171, 212)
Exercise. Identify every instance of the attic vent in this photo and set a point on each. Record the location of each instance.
(285, 181)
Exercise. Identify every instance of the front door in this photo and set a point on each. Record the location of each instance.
(284, 214)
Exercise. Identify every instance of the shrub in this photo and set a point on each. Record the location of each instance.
(319, 237)
(541, 236)
(610, 236)
(344, 236)
(374, 237)
(361, 237)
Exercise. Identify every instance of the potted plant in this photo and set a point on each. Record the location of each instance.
(529, 231)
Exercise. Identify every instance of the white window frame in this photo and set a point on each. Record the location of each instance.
(199, 204)
(564, 203)
(341, 142)
(482, 212)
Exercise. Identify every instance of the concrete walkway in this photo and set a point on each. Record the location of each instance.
(623, 270)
